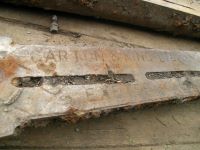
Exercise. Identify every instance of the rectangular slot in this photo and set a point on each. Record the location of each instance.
(171, 74)
(72, 80)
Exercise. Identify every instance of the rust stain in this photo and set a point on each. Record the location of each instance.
(73, 115)
(47, 67)
(9, 65)
(86, 3)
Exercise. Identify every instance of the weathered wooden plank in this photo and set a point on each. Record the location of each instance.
(177, 17)
(164, 127)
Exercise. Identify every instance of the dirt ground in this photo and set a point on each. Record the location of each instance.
(169, 126)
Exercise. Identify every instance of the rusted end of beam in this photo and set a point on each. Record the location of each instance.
(178, 18)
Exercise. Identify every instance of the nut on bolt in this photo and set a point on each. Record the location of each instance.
(54, 24)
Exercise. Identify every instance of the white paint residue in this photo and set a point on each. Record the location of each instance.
(5, 46)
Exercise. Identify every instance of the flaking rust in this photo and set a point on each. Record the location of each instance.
(39, 81)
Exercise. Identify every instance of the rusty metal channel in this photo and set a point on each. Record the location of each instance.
(178, 19)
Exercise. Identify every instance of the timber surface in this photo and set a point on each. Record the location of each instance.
(169, 126)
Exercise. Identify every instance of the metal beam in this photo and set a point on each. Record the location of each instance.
(40, 81)
(178, 17)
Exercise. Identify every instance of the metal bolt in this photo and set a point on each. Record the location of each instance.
(54, 24)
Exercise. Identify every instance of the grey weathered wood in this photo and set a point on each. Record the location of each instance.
(163, 127)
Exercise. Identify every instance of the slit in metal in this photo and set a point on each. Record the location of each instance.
(110, 78)
(171, 74)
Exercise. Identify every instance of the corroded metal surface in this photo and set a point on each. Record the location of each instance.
(180, 17)
(157, 76)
